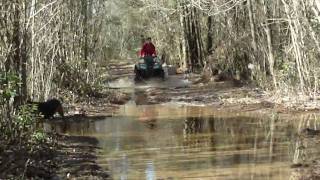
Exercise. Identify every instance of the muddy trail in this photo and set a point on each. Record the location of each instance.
(179, 129)
(180, 89)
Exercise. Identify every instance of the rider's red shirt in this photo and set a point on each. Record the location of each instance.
(148, 49)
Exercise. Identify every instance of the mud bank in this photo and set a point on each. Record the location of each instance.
(64, 157)
(77, 158)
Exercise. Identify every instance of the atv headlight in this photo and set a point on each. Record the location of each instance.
(141, 61)
(156, 59)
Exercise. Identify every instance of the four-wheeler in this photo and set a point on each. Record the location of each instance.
(148, 67)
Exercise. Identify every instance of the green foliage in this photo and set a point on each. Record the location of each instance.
(9, 82)
(20, 126)
(15, 124)
(39, 136)
(25, 118)
(287, 74)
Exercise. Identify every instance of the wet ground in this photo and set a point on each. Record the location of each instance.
(174, 142)
(178, 139)
(180, 130)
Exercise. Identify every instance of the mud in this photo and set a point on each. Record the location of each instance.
(16, 160)
(65, 157)
(77, 158)
(191, 90)
(183, 111)
(221, 98)
(169, 140)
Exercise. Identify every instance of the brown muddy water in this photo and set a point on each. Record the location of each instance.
(172, 141)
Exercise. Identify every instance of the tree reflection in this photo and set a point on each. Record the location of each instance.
(193, 125)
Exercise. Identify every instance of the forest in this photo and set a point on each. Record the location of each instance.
(69, 49)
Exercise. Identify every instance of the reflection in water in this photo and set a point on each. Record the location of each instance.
(150, 171)
(124, 168)
(193, 125)
(306, 147)
(151, 124)
(160, 142)
(140, 98)
(146, 114)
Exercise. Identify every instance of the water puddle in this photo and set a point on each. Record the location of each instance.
(179, 141)
(174, 81)
(175, 142)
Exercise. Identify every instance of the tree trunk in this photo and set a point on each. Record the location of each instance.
(24, 60)
(32, 39)
(209, 36)
(183, 48)
(85, 31)
(298, 53)
(193, 36)
(256, 60)
(252, 27)
(270, 53)
(16, 38)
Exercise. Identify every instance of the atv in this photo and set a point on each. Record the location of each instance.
(148, 67)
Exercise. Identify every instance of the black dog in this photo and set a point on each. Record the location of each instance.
(49, 108)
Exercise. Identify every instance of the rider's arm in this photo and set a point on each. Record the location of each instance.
(154, 50)
(142, 51)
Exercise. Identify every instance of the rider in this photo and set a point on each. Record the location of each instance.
(148, 49)
(148, 52)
